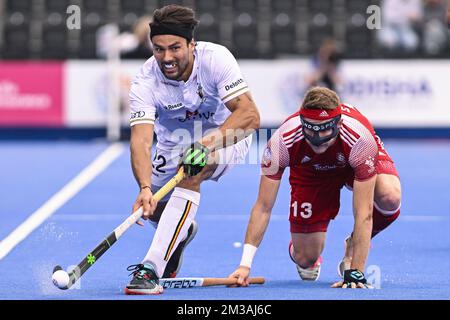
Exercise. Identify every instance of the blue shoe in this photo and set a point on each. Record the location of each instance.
(145, 280)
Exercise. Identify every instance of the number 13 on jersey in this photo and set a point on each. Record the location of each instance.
(305, 210)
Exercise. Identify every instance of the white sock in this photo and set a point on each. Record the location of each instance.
(172, 227)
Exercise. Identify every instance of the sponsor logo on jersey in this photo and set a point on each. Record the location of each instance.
(200, 92)
(370, 162)
(267, 157)
(325, 167)
(305, 159)
(174, 106)
(323, 114)
(233, 84)
(195, 115)
(340, 158)
(137, 114)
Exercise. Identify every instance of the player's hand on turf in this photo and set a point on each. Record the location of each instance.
(148, 203)
(194, 159)
(354, 279)
(242, 275)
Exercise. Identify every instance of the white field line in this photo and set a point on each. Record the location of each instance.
(60, 198)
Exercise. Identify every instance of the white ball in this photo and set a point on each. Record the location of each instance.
(61, 279)
(237, 244)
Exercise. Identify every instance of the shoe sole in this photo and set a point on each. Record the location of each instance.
(312, 280)
(129, 291)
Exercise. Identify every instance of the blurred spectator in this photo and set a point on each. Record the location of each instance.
(435, 33)
(448, 14)
(136, 45)
(141, 31)
(325, 66)
(399, 21)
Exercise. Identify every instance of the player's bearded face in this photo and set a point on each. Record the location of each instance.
(174, 56)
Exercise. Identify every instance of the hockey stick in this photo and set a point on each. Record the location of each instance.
(61, 280)
(184, 283)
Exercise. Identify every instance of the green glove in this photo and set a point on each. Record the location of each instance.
(194, 159)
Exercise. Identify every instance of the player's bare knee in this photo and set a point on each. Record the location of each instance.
(305, 261)
(389, 200)
(388, 192)
(305, 258)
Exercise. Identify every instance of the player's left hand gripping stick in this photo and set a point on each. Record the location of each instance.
(64, 280)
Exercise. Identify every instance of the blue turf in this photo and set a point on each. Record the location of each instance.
(413, 254)
(31, 172)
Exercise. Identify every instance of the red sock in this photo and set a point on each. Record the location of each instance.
(382, 221)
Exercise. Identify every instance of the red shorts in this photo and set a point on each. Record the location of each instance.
(313, 206)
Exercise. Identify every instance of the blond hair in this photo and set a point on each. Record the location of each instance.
(321, 98)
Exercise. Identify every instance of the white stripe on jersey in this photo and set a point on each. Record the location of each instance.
(356, 126)
(292, 125)
(346, 141)
(298, 133)
(143, 121)
(345, 135)
(293, 142)
(235, 93)
(349, 134)
(290, 135)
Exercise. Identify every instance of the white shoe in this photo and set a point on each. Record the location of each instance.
(308, 274)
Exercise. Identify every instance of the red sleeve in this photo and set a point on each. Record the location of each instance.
(363, 157)
(275, 157)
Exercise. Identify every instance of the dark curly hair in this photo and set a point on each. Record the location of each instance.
(173, 14)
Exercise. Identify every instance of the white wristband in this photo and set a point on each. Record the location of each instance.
(247, 255)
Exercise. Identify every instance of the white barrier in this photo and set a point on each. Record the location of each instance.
(407, 93)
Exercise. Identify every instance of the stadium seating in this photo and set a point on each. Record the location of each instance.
(250, 28)
(283, 35)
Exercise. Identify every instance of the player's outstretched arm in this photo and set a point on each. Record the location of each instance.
(363, 197)
(242, 122)
(141, 162)
(259, 220)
